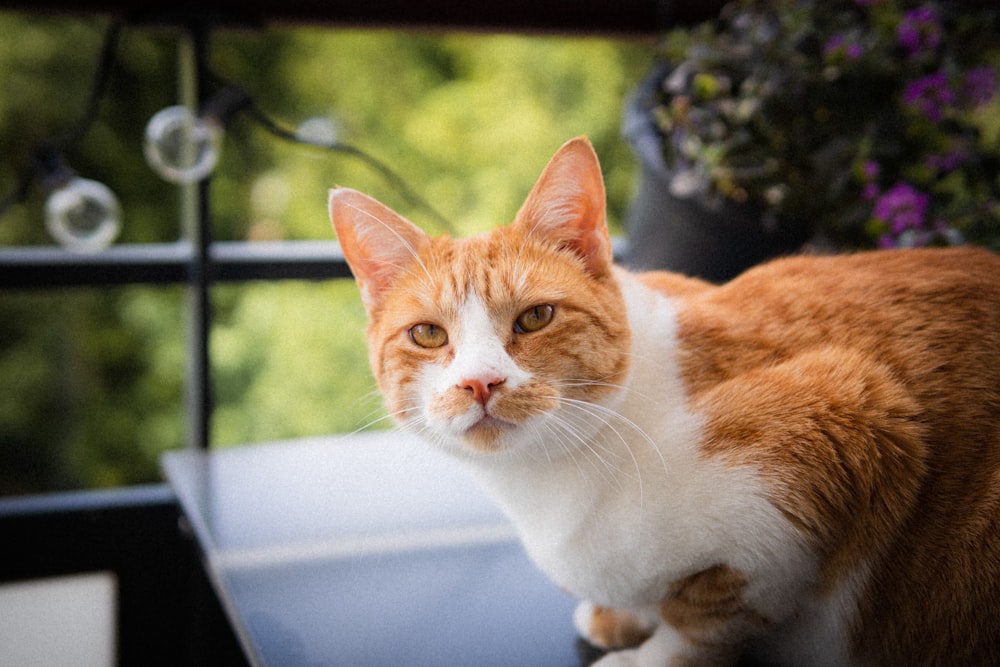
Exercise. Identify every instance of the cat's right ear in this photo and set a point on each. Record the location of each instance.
(567, 207)
(378, 243)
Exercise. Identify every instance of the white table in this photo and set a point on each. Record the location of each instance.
(368, 549)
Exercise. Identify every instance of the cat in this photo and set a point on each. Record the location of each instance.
(801, 465)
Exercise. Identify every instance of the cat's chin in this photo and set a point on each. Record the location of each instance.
(488, 435)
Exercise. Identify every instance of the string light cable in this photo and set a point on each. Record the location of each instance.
(180, 145)
(83, 215)
(391, 177)
(79, 127)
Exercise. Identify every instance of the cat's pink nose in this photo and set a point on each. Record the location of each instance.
(481, 388)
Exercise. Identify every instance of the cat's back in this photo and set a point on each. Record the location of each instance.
(900, 351)
(912, 309)
(925, 322)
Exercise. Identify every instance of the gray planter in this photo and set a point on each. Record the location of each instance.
(684, 234)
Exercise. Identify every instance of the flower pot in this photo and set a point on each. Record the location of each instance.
(687, 234)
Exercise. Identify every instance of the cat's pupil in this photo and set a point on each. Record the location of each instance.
(428, 335)
(534, 318)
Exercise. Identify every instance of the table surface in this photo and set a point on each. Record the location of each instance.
(368, 549)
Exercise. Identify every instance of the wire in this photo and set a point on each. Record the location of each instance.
(236, 100)
(395, 180)
(74, 132)
(97, 89)
(20, 193)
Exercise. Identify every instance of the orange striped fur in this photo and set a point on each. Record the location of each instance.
(800, 466)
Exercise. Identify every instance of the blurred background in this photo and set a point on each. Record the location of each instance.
(93, 378)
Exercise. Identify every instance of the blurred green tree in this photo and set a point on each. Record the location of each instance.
(93, 378)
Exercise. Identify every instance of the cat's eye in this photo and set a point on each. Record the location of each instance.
(428, 335)
(534, 318)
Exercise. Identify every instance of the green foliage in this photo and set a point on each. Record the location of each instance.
(93, 379)
(91, 384)
(762, 107)
(291, 361)
(469, 121)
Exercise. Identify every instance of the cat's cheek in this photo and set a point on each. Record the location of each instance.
(444, 410)
(452, 414)
(531, 400)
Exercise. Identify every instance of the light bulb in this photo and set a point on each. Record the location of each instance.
(180, 146)
(318, 130)
(83, 215)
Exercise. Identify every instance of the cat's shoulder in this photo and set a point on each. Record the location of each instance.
(673, 285)
(829, 275)
(912, 264)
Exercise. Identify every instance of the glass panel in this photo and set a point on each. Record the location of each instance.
(92, 386)
(60, 621)
(94, 378)
(289, 360)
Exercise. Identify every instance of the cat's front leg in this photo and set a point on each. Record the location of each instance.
(611, 629)
(704, 620)
(669, 648)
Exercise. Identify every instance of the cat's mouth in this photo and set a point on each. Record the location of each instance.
(485, 433)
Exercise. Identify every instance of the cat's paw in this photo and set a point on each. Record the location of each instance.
(608, 628)
(664, 647)
(624, 658)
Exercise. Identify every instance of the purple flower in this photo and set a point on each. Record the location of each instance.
(947, 162)
(902, 207)
(869, 176)
(886, 241)
(919, 31)
(980, 85)
(833, 45)
(930, 95)
(838, 47)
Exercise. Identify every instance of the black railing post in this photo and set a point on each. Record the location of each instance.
(197, 228)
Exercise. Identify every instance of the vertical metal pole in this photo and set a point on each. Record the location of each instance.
(196, 230)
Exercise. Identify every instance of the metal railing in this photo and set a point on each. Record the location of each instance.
(167, 612)
(196, 260)
(199, 262)
(171, 263)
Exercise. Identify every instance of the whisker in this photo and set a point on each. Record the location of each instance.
(601, 413)
(600, 382)
(606, 469)
(382, 418)
(635, 428)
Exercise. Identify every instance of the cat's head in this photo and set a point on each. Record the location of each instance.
(508, 341)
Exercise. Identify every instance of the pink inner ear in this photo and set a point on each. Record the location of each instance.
(567, 205)
(377, 242)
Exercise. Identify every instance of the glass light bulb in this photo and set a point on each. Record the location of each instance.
(83, 215)
(318, 130)
(180, 146)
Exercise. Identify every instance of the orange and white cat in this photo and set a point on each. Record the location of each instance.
(801, 465)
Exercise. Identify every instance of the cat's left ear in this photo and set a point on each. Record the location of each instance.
(378, 243)
(567, 206)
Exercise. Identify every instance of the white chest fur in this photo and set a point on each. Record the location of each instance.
(638, 506)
